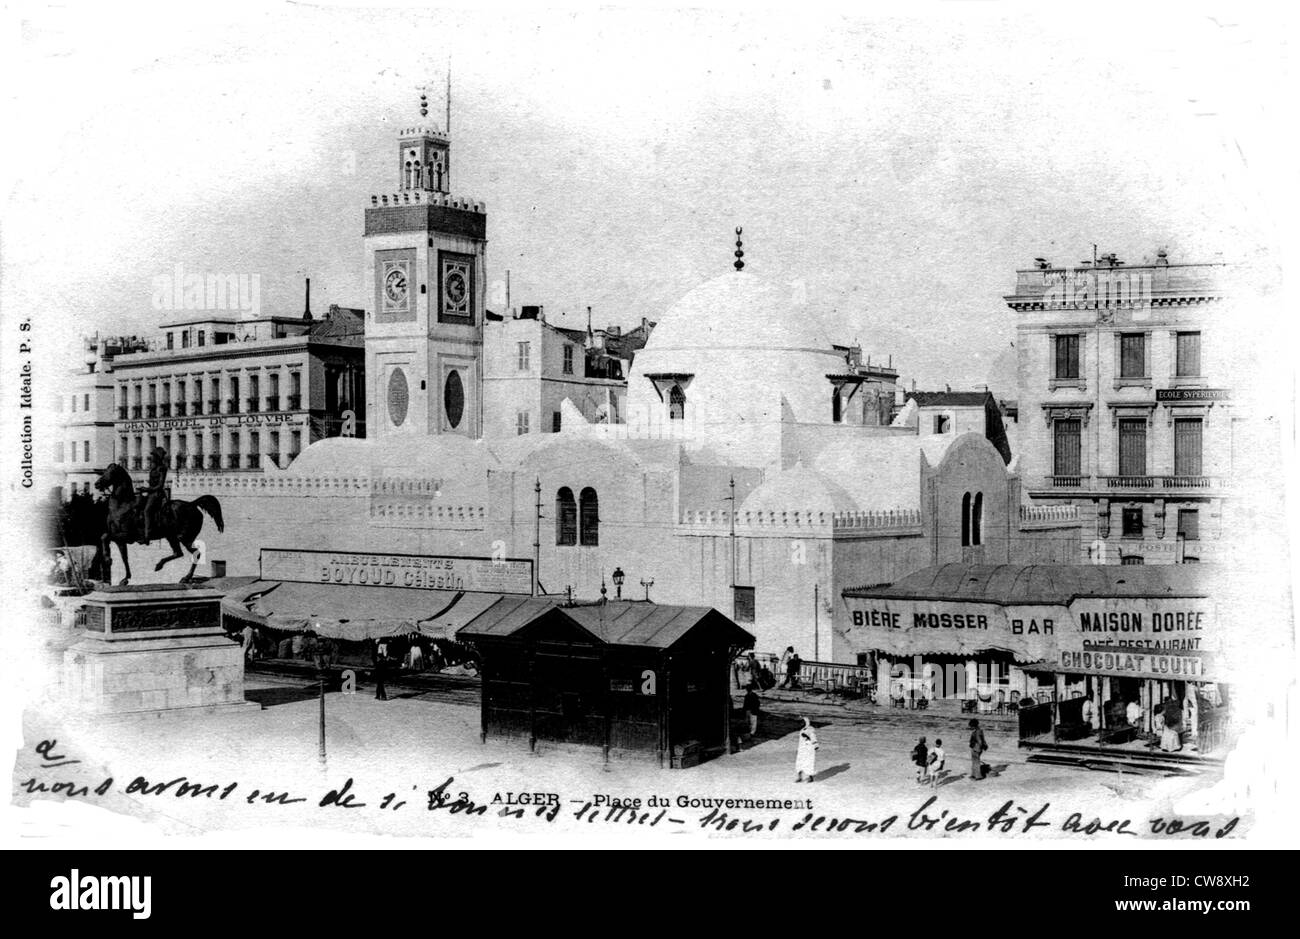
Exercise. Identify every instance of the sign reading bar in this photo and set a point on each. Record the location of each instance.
(1192, 394)
(411, 571)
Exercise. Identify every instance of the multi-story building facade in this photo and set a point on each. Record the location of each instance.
(1126, 413)
(531, 367)
(86, 438)
(227, 395)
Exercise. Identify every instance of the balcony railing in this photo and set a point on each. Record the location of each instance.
(252, 405)
(1192, 482)
(121, 413)
(214, 407)
(164, 410)
(181, 459)
(180, 408)
(233, 461)
(1066, 482)
(273, 402)
(1130, 482)
(232, 405)
(214, 461)
(137, 462)
(295, 402)
(274, 457)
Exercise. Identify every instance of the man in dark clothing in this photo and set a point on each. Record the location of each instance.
(977, 748)
(752, 709)
(381, 664)
(792, 664)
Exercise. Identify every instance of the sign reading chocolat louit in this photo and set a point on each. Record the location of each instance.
(410, 571)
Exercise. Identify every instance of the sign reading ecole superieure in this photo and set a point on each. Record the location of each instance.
(410, 571)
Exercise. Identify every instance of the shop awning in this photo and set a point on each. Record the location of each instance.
(355, 613)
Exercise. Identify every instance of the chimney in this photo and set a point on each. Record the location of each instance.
(306, 313)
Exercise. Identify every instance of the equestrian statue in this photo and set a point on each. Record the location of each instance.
(150, 514)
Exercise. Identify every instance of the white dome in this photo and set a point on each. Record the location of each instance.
(739, 311)
(799, 489)
(744, 352)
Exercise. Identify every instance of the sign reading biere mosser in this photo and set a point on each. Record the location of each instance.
(411, 571)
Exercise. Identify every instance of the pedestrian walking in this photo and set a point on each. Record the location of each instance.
(936, 763)
(921, 759)
(978, 746)
(805, 762)
(381, 665)
(752, 708)
(792, 672)
(781, 666)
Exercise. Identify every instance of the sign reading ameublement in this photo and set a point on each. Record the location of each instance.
(412, 571)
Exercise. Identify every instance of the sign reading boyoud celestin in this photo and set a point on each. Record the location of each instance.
(411, 571)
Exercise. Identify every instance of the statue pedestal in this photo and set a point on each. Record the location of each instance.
(152, 649)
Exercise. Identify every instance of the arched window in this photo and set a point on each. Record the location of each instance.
(965, 520)
(676, 403)
(977, 520)
(588, 517)
(566, 517)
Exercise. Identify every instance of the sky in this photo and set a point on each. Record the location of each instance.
(895, 170)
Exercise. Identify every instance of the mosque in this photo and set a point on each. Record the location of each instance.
(759, 466)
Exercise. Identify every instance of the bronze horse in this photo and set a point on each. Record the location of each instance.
(181, 522)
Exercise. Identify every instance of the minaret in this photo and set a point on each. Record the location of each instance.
(425, 269)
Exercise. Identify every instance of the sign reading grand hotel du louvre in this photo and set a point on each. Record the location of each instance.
(410, 571)
(1136, 626)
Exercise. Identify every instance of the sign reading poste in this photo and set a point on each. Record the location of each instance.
(412, 571)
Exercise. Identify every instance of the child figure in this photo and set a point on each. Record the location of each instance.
(935, 766)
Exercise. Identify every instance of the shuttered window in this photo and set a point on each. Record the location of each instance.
(744, 604)
(1132, 447)
(588, 517)
(1067, 356)
(1133, 355)
(1066, 447)
(1189, 524)
(1188, 355)
(1187, 447)
(566, 517)
(1131, 523)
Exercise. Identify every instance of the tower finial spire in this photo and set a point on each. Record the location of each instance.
(447, 129)
(740, 254)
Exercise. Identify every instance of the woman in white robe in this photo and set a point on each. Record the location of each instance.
(805, 763)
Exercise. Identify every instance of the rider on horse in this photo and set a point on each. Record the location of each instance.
(154, 495)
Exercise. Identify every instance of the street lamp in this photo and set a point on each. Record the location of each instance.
(618, 576)
(647, 584)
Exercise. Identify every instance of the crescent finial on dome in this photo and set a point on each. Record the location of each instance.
(740, 264)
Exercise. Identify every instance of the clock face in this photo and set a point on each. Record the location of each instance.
(395, 285)
(454, 285)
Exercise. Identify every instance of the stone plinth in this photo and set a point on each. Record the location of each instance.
(152, 648)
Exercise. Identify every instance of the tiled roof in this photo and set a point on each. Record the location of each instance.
(619, 622)
(1043, 583)
(947, 399)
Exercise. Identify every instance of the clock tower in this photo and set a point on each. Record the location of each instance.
(425, 274)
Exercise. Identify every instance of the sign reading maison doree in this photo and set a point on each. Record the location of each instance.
(411, 571)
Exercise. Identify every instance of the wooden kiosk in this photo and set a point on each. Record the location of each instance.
(627, 676)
